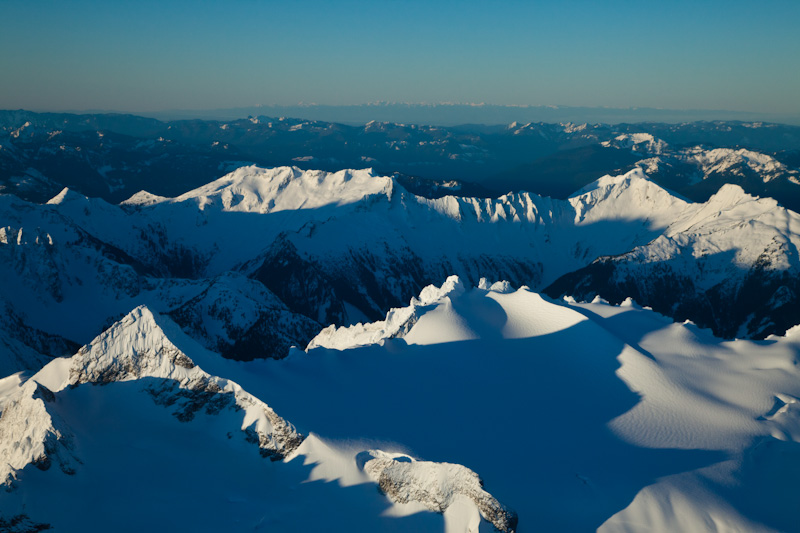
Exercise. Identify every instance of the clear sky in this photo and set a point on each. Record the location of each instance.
(149, 56)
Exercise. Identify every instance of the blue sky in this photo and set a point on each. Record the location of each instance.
(150, 56)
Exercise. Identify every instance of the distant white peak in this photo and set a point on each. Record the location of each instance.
(631, 195)
(397, 324)
(437, 486)
(519, 127)
(726, 159)
(650, 165)
(17, 132)
(639, 142)
(570, 127)
(143, 199)
(255, 189)
(67, 195)
(374, 125)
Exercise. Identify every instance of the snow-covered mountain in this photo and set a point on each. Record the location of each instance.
(730, 264)
(185, 446)
(113, 156)
(695, 169)
(579, 416)
(332, 247)
(576, 416)
(262, 259)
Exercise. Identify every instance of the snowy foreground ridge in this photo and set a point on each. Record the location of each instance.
(36, 427)
(578, 417)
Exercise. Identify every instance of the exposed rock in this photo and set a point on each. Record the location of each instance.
(30, 433)
(404, 479)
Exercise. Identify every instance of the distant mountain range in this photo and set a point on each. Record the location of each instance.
(114, 156)
(454, 114)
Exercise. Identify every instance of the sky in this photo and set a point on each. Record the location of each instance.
(151, 56)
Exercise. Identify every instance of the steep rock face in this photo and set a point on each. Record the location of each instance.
(299, 282)
(374, 279)
(241, 319)
(23, 347)
(134, 349)
(434, 485)
(31, 434)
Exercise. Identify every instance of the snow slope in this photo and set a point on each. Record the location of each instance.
(578, 416)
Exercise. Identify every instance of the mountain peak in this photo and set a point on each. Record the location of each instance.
(627, 196)
(638, 142)
(730, 195)
(630, 178)
(66, 195)
(266, 190)
(133, 348)
(143, 199)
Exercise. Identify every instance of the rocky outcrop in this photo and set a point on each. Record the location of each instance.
(241, 319)
(434, 485)
(135, 349)
(30, 433)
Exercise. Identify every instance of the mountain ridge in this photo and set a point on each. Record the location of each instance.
(345, 247)
(142, 350)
